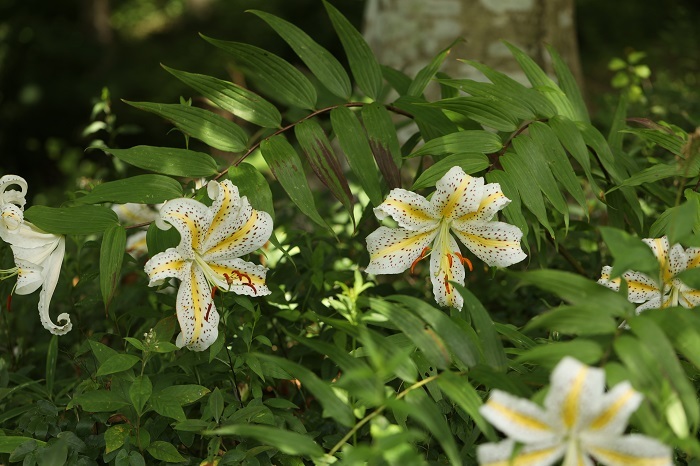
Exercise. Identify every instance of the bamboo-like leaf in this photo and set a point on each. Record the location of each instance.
(484, 110)
(232, 98)
(459, 390)
(670, 142)
(397, 79)
(383, 142)
(568, 84)
(575, 320)
(274, 75)
(570, 137)
(460, 142)
(166, 160)
(431, 122)
(252, 184)
(427, 73)
(51, 359)
(111, 256)
(141, 189)
(321, 63)
(548, 355)
(508, 100)
(210, 128)
(319, 152)
(513, 211)
(597, 142)
(80, 220)
(363, 64)
(353, 141)
(660, 171)
(286, 441)
(470, 162)
(285, 164)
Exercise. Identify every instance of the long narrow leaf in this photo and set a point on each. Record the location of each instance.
(460, 142)
(166, 160)
(470, 162)
(81, 220)
(286, 441)
(111, 257)
(568, 84)
(484, 110)
(141, 189)
(252, 184)
(383, 141)
(428, 71)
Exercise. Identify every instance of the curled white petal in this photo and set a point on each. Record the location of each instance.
(410, 210)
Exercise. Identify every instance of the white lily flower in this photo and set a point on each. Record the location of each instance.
(38, 255)
(579, 421)
(461, 204)
(134, 213)
(212, 240)
(666, 290)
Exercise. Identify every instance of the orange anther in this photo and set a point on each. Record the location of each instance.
(420, 258)
(464, 260)
(206, 316)
(447, 284)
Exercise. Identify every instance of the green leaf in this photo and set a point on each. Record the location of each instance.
(100, 401)
(115, 436)
(427, 73)
(397, 79)
(576, 320)
(159, 240)
(459, 390)
(513, 211)
(291, 443)
(353, 141)
(494, 355)
(102, 352)
(140, 392)
(51, 359)
(140, 189)
(657, 172)
(276, 76)
(668, 141)
(597, 142)
(384, 142)
(165, 451)
(682, 326)
(216, 404)
(80, 220)
(629, 252)
(285, 164)
(461, 142)
(253, 185)
(548, 355)
(182, 394)
(484, 110)
(117, 363)
(568, 84)
(232, 98)
(319, 152)
(470, 162)
(570, 137)
(168, 408)
(111, 257)
(333, 407)
(167, 160)
(210, 128)
(508, 98)
(9, 443)
(431, 122)
(678, 222)
(321, 63)
(363, 64)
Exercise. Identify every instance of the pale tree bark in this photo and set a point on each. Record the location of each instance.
(407, 34)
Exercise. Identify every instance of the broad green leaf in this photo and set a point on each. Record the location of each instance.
(668, 141)
(682, 326)
(168, 408)
(276, 76)
(542, 83)
(79, 220)
(521, 178)
(427, 73)
(494, 355)
(461, 142)
(363, 64)
(111, 256)
(9, 442)
(140, 392)
(285, 164)
(232, 98)
(216, 404)
(167, 160)
(100, 401)
(291, 443)
(431, 122)
(568, 84)
(577, 290)
(323, 160)
(548, 355)
(509, 100)
(210, 128)
(117, 363)
(484, 110)
(470, 162)
(321, 63)
(333, 406)
(555, 156)
(253, 185)
(140, 189)
(513, 211)
(629, 252)
(640, 362)
(384, 142)
(576, 320)
(430, 343)
(537, 167)
(678, 222)
(353, 141)
(102, 352)
(165, 451)
(182, 394)
(459, 390)
(159, 240)
(115, 436)
(456, 339)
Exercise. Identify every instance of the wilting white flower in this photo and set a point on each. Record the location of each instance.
(462, 205)
(666, 290)
(38, 255)
(212, 240)
(579, 421)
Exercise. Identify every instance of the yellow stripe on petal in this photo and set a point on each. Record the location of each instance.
(485, 202)
(615, 457)
(191, 226)
(237, 237)
(517, 417)
(454, 199)
(533, 458)
(571, 408)
(173, 267)
(604, 418)
(404, 244)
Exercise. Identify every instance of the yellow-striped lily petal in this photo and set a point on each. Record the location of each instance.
(410, 210)
(688, 297)
(492, 201)
(575, 392)
(196, 312)
(496, 243)
(457, 194)
(502, 454)
(661, 249)
(239, 276)
(640, 288)
(191, 219)
(243, 233)
(616, 407)
(393, 250)
(167, 264)
(629, 450)
(605, 280)
(693, 256)
(446, 266)
(518, 418)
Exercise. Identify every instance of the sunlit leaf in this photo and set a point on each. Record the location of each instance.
(167, 160)
(80, 220)
(252, 184)
(140, 189)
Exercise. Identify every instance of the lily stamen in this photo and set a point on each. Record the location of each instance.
(422, 256)
(464, 260)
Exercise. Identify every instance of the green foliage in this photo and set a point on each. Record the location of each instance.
(333, 365)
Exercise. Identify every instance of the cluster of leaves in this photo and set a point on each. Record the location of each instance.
(329, 367)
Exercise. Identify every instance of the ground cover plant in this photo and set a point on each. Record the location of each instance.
(295, 283)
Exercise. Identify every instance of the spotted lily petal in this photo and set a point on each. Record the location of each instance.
(693, 256)
(640, 288)
(410, 210)
(196, 312)
(167, 264)
(457, 194)
(518, 418)
(605, 280)
(239, 276)
(496, 243)
(393, 250)
(191, 219)
(688, 297)
(616, 406)
(629, 450)
(500, 454)
(446, 266)
(51, 272)
(492, 201)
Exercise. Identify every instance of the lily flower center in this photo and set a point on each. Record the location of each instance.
(9, 273)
